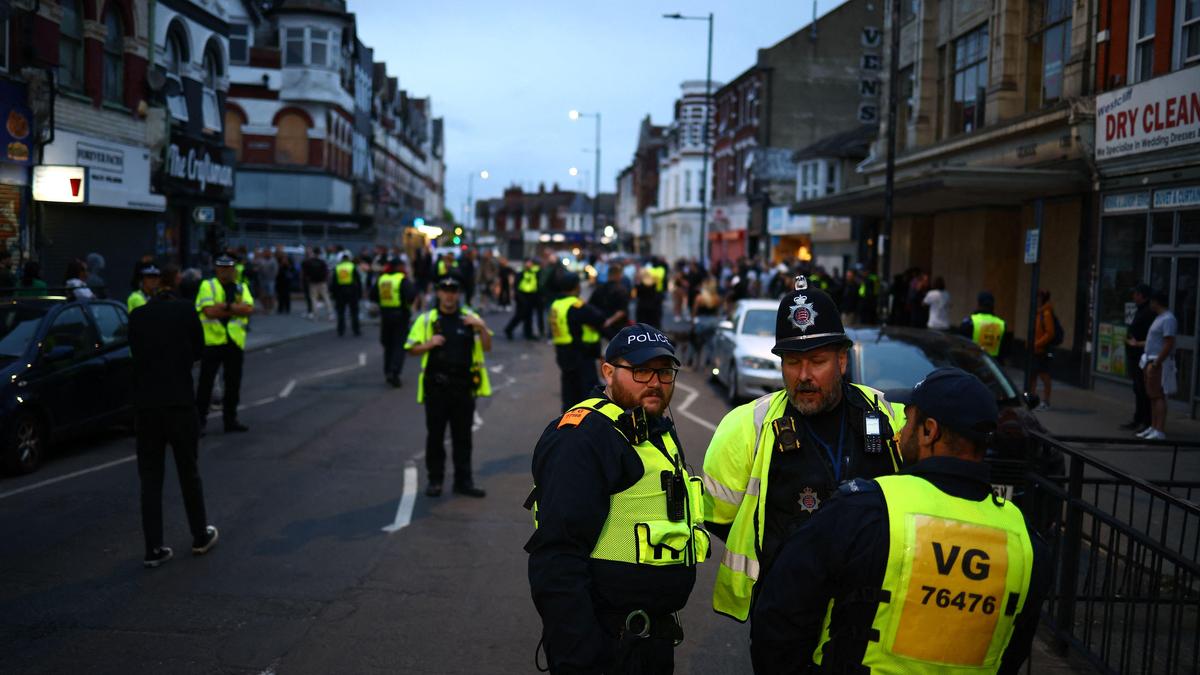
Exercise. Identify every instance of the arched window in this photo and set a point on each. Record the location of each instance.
(70, 46)
(114, 58)
(212, 74)
(173, 65)
(233, 132)
(291, 139)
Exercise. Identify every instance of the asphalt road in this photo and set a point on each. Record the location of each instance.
(313, 572)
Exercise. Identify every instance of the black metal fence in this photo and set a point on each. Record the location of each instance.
(1126, 595)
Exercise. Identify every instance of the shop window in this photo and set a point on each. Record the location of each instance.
(70, 46)
(233, 132)
(1187, 37)
(1189, 227)
(1162, 229)
(1187, 271)
(209, 103)
(1142, 44)
(1122, 265)
(173, 64)
(114, 58)
(970, 81)
(239, 43)
(291, 139)
(1049, 49)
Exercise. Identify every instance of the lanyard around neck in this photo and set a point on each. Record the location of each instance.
(834, 460)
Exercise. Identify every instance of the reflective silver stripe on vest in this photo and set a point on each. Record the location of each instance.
(740, 564)
(752, 486)
(761, 404)
(727, 495)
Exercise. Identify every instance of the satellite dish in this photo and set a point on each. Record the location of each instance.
(156, 80)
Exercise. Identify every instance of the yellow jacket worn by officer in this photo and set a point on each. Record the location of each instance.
(984, 327)
(923, 572)
(148, 277)
(774, 461)
(225, 307)
(618, 517)
(575, 331)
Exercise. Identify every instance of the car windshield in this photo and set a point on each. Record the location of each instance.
(18, 326)
(895, 363)
(760, 322)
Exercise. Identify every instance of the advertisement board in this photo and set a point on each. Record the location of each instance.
(1158, 114)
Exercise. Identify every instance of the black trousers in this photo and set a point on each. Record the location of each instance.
(228, 357)
(1141, 401)
(308, 297)
(393, 330)
(180, 428)
(526, 302)
(577, 382)
(283, 293)
(342, 304)
(539, 308)
(453, 405)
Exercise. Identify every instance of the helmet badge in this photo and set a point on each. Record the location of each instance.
(801, 282)
(802, 314)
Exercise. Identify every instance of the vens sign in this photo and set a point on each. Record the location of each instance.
(1155, 115)
(193, 168)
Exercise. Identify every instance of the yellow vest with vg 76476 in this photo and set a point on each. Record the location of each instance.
(220, 331)
(389, 290)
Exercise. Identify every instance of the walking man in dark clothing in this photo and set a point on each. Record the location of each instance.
(166, 338)
(395, 293)
(347, 291)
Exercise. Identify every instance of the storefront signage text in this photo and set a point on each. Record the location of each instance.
(195, 166)
(1133, 201)
(1155, 115)
(868, 79)
(1177, 197)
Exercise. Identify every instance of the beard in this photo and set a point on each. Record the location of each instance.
(830, 396)
(628, 399)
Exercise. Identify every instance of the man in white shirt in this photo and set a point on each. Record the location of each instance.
(1158, 363)
(938, 301)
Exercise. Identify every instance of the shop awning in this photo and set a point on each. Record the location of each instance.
(950, 188)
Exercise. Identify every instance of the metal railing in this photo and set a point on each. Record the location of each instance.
(1174, 447)
(1126, 594)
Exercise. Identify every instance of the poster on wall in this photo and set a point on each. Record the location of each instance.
(1119, 333)
(1104, 348)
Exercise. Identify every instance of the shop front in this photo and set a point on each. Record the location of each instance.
(16, 156)
(791, 235)
(197, 178)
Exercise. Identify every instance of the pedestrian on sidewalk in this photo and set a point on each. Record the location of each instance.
(316, 280)
(1043, 342)
(165, 339)
(1158, 363)
(938, 302)
(1136, 333)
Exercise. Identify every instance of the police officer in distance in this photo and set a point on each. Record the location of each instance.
(618, 519)
(927, 571)
(527, 300)
(984, 328)
(395, 293)
(148, 277)
(575, 332)
(225, 307)
(347, 291)
(774, 461)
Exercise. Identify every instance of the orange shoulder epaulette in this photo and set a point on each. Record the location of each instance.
(573, 417)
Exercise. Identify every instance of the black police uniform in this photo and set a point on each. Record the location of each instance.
(345, 300)
(583, 601)
(577, 361)
(450, 400)
(841, 554)
(393, 329)
(611, 297)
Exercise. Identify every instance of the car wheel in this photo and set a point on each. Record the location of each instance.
(732, 394)
(26, 443)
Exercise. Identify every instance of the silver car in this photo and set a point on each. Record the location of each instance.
(742, 358)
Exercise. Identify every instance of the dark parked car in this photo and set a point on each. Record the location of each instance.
(65, 369)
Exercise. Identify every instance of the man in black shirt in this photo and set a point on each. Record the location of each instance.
(1136, 335)
(165, 339)
(612, 299)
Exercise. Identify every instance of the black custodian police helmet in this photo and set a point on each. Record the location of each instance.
(807, 319)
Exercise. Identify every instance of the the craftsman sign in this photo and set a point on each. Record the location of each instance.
(1160, 114)
(195, 168)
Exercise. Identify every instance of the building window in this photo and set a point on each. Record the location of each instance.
(1187, 42)
(318, 47)
(904, 111)
(1049, 49)
(233, 132)
(970, 81)
(209, 103)
(114, 58)
(239, 43)
(831, 178)
(687, 186)
(1142, 44)
(308, 46)
(4, 45)
(293, 47)
(291, 139)
(70, 46)
(173, 64)
(909, 10)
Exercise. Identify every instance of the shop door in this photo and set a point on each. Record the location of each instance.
(1179, 275)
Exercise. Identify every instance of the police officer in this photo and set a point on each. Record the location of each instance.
(575, 331)
(148, 277)
(527, 300)
(451, 340)
(347, 291)
(618, 518)
(922, 572)
(774, 461)
(984, 327)
(225, 307)
(394, 293)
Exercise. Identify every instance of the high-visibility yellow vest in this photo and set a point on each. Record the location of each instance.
(344, 273)
(560, 329)
(219, 331)
(136, 299)
(639, 529)
(660, 277)
(423, 329)
(957, 576)
(987, 330)
(873, 282)
(241, 272)
(389, 289)
(529, 280)
(736, 466)
(443, 269)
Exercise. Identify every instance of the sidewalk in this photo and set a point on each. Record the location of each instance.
(268, 330)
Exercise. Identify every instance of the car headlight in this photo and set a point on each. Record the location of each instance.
(755, 363)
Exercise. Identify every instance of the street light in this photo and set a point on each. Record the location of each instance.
(573, 171)
(574, 115)
(707, 112)
(470, 195)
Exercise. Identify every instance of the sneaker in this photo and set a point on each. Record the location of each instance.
(433, 490)
(1145, 433)
(204, 544)
(469, 491)
(1155, 435)
(157, 557)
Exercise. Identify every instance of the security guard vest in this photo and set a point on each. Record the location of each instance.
(660, 276)
(423, 329)
(344, 273)
(529, 280)
(957, 575)
(560, 330)
(639, 529)
(220, 331)
(872, 283)
(986, 331)
(136, 299)
(443, 269)
(737, 467)
(389, 290)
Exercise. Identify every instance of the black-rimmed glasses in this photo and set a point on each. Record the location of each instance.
(643, 375)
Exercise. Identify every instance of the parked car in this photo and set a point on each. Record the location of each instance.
(65, 369)
(741, 351)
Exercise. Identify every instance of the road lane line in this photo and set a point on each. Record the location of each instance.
(59, 479)
(333, 371)
(408, 499)
(692, 394)
(478, 422)
(362, 359)
(497, 369)
(287, 389)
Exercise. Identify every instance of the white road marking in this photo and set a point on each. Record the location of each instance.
(478, 422)
(362, 359)
(287, 389)
(408, 498)
(497, 369)
(59, 479)
(692, 394)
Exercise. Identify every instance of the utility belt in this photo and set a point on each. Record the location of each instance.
(640, 624)
(452, 375)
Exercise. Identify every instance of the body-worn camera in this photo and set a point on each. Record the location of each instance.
(673, 484)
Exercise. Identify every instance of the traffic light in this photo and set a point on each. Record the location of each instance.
(457, 241)
(458, 232)
(418, 222)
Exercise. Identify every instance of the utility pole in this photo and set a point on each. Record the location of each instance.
(885, 237)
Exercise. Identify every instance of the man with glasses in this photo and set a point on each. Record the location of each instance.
(450, 340)
(618, 518)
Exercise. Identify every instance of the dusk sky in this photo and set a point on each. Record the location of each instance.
(504, 75)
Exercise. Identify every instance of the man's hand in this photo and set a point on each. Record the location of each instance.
(436, 341)
(474, 322)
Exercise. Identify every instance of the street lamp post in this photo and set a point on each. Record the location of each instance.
(704, 134)
(471, 198)
(575, 115)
